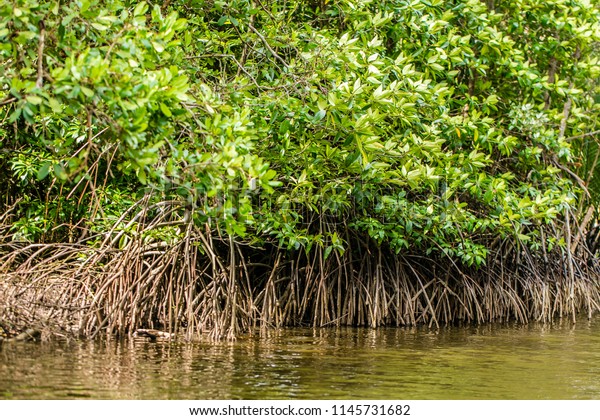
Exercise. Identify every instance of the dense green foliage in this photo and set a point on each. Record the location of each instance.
(433, 127)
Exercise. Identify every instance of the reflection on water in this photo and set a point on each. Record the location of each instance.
(486, 362)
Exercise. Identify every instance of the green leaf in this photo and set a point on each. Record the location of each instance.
(43, 171)
(34, 100)
(99, 26)
(85, 5)
(55, 105)
(158, 46)
(87, 91)
(140, 9)
(165, 109)
(327, 252)
(14, 115)
(59, 171)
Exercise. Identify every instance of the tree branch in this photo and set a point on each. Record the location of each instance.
(574, 175)
(8, 101)
(593, 133)
(264, 41)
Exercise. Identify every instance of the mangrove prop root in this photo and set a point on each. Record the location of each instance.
(207, 285)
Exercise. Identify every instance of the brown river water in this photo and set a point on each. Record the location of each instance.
(560, 361)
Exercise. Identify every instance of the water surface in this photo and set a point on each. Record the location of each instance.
(485, 362)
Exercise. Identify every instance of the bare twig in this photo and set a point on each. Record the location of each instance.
(582, 228)
(580, 136)
(267, 46)
(576, 177)
(8, 101)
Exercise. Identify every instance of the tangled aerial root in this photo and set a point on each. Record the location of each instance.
(203, 285)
